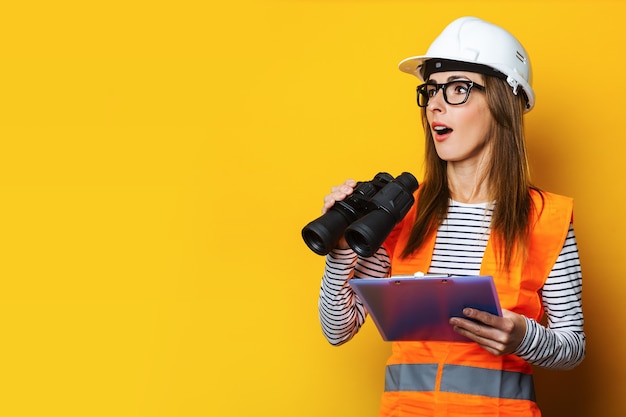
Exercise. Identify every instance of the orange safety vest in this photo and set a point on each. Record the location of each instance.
(462, 379)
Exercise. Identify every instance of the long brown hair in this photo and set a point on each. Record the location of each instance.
(507, 172)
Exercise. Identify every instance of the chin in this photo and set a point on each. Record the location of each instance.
(448, 157)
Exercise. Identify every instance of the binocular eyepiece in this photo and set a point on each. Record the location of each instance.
(365, 217)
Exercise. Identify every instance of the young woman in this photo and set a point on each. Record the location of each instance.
(476, 213)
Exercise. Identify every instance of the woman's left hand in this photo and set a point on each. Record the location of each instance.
(497, 335)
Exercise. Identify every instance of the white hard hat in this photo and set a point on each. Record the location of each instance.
(471, 44)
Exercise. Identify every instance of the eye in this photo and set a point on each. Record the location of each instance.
(431, 91)
(458, 88)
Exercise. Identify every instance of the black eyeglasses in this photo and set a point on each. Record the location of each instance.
(454, 93)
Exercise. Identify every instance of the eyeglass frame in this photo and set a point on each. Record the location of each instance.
(470, 85)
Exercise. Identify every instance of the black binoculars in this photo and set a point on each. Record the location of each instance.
(365, 217)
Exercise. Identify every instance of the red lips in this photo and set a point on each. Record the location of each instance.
(440, 131)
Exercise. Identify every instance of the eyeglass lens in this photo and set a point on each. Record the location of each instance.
(455, 92)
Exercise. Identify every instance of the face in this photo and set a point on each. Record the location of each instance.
(460, 132)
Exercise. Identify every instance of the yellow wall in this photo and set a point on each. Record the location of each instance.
(159, 159)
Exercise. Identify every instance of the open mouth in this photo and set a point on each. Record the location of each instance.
(442, 130)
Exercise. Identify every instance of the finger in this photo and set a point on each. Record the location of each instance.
(484, 336)
(502, 334)
(328, 203)
(338, 193)
(331, 199)
(467, 326)
(490, 327)
(488, 319)
(343, 189)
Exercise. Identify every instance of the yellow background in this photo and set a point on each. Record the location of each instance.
(158, 160)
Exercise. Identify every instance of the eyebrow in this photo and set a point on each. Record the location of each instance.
(451, 78)
(458, 77)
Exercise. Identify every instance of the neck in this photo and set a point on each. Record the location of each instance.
(468, 179)
(468, 184)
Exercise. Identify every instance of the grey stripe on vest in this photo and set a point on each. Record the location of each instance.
(410, 377)
(460, 379)
(487, 382)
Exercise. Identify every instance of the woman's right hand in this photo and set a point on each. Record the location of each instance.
(338, 193)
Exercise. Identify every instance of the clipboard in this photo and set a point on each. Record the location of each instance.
(413, 308)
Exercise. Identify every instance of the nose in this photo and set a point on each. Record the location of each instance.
(436, 102)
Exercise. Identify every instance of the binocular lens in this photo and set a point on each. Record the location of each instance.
(322, 235)
(368, 234)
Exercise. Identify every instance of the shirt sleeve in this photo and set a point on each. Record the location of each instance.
(341, 311)
(561, 344)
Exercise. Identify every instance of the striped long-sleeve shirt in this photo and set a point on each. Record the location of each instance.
(459, 247)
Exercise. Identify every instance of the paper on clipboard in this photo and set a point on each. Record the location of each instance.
(409, 308)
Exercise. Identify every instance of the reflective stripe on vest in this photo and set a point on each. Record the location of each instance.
(413, 377)
(460, 379)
